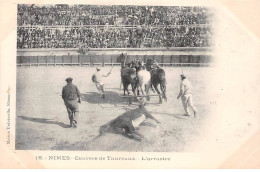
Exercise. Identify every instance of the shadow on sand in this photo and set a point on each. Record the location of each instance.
(45, 121)
(110, 98)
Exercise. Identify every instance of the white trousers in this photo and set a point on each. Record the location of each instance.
(100, 87)
(187, 102)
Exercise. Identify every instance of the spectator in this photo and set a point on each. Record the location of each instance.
(60, 26)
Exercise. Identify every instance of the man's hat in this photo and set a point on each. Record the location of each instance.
(69, 79)
(183, 76)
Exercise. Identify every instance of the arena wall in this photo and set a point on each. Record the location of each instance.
(108, 56)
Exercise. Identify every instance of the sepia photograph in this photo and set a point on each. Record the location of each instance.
(129, 85)
(112, 78)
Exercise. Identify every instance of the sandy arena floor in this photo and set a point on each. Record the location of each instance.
(42, 120)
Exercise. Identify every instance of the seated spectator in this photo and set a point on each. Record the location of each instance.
(40, 26)
(50, 15)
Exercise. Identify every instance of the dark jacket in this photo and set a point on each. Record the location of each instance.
(70, 92)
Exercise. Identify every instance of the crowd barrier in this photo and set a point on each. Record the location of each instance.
(104, 57)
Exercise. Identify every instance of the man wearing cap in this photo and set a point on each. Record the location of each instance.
(186, 95)
(71, 97)
(98, 79)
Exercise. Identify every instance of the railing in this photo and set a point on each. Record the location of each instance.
(117, 51)
(113, 26)
(108, 60)
(114, 64)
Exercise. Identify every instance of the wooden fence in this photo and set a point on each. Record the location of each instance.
(105, 60)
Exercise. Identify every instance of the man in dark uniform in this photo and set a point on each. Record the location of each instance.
(71, 97)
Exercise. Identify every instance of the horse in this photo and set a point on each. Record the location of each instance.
(124, 60)
(128, 75)
(143, 78)
(157, 77)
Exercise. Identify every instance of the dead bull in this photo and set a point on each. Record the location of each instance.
(128, 123)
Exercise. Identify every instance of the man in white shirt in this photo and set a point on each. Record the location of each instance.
(186, 95)
(98, 79)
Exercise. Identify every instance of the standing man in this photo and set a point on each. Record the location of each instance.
(186, 95)
(98, 79)
(71, 97)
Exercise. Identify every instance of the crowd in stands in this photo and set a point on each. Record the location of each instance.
(114, 37)
(64, 26)
(53, 15)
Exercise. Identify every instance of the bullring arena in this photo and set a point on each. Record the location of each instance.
(41, 118)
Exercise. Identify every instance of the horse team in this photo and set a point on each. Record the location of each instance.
(142, 76)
